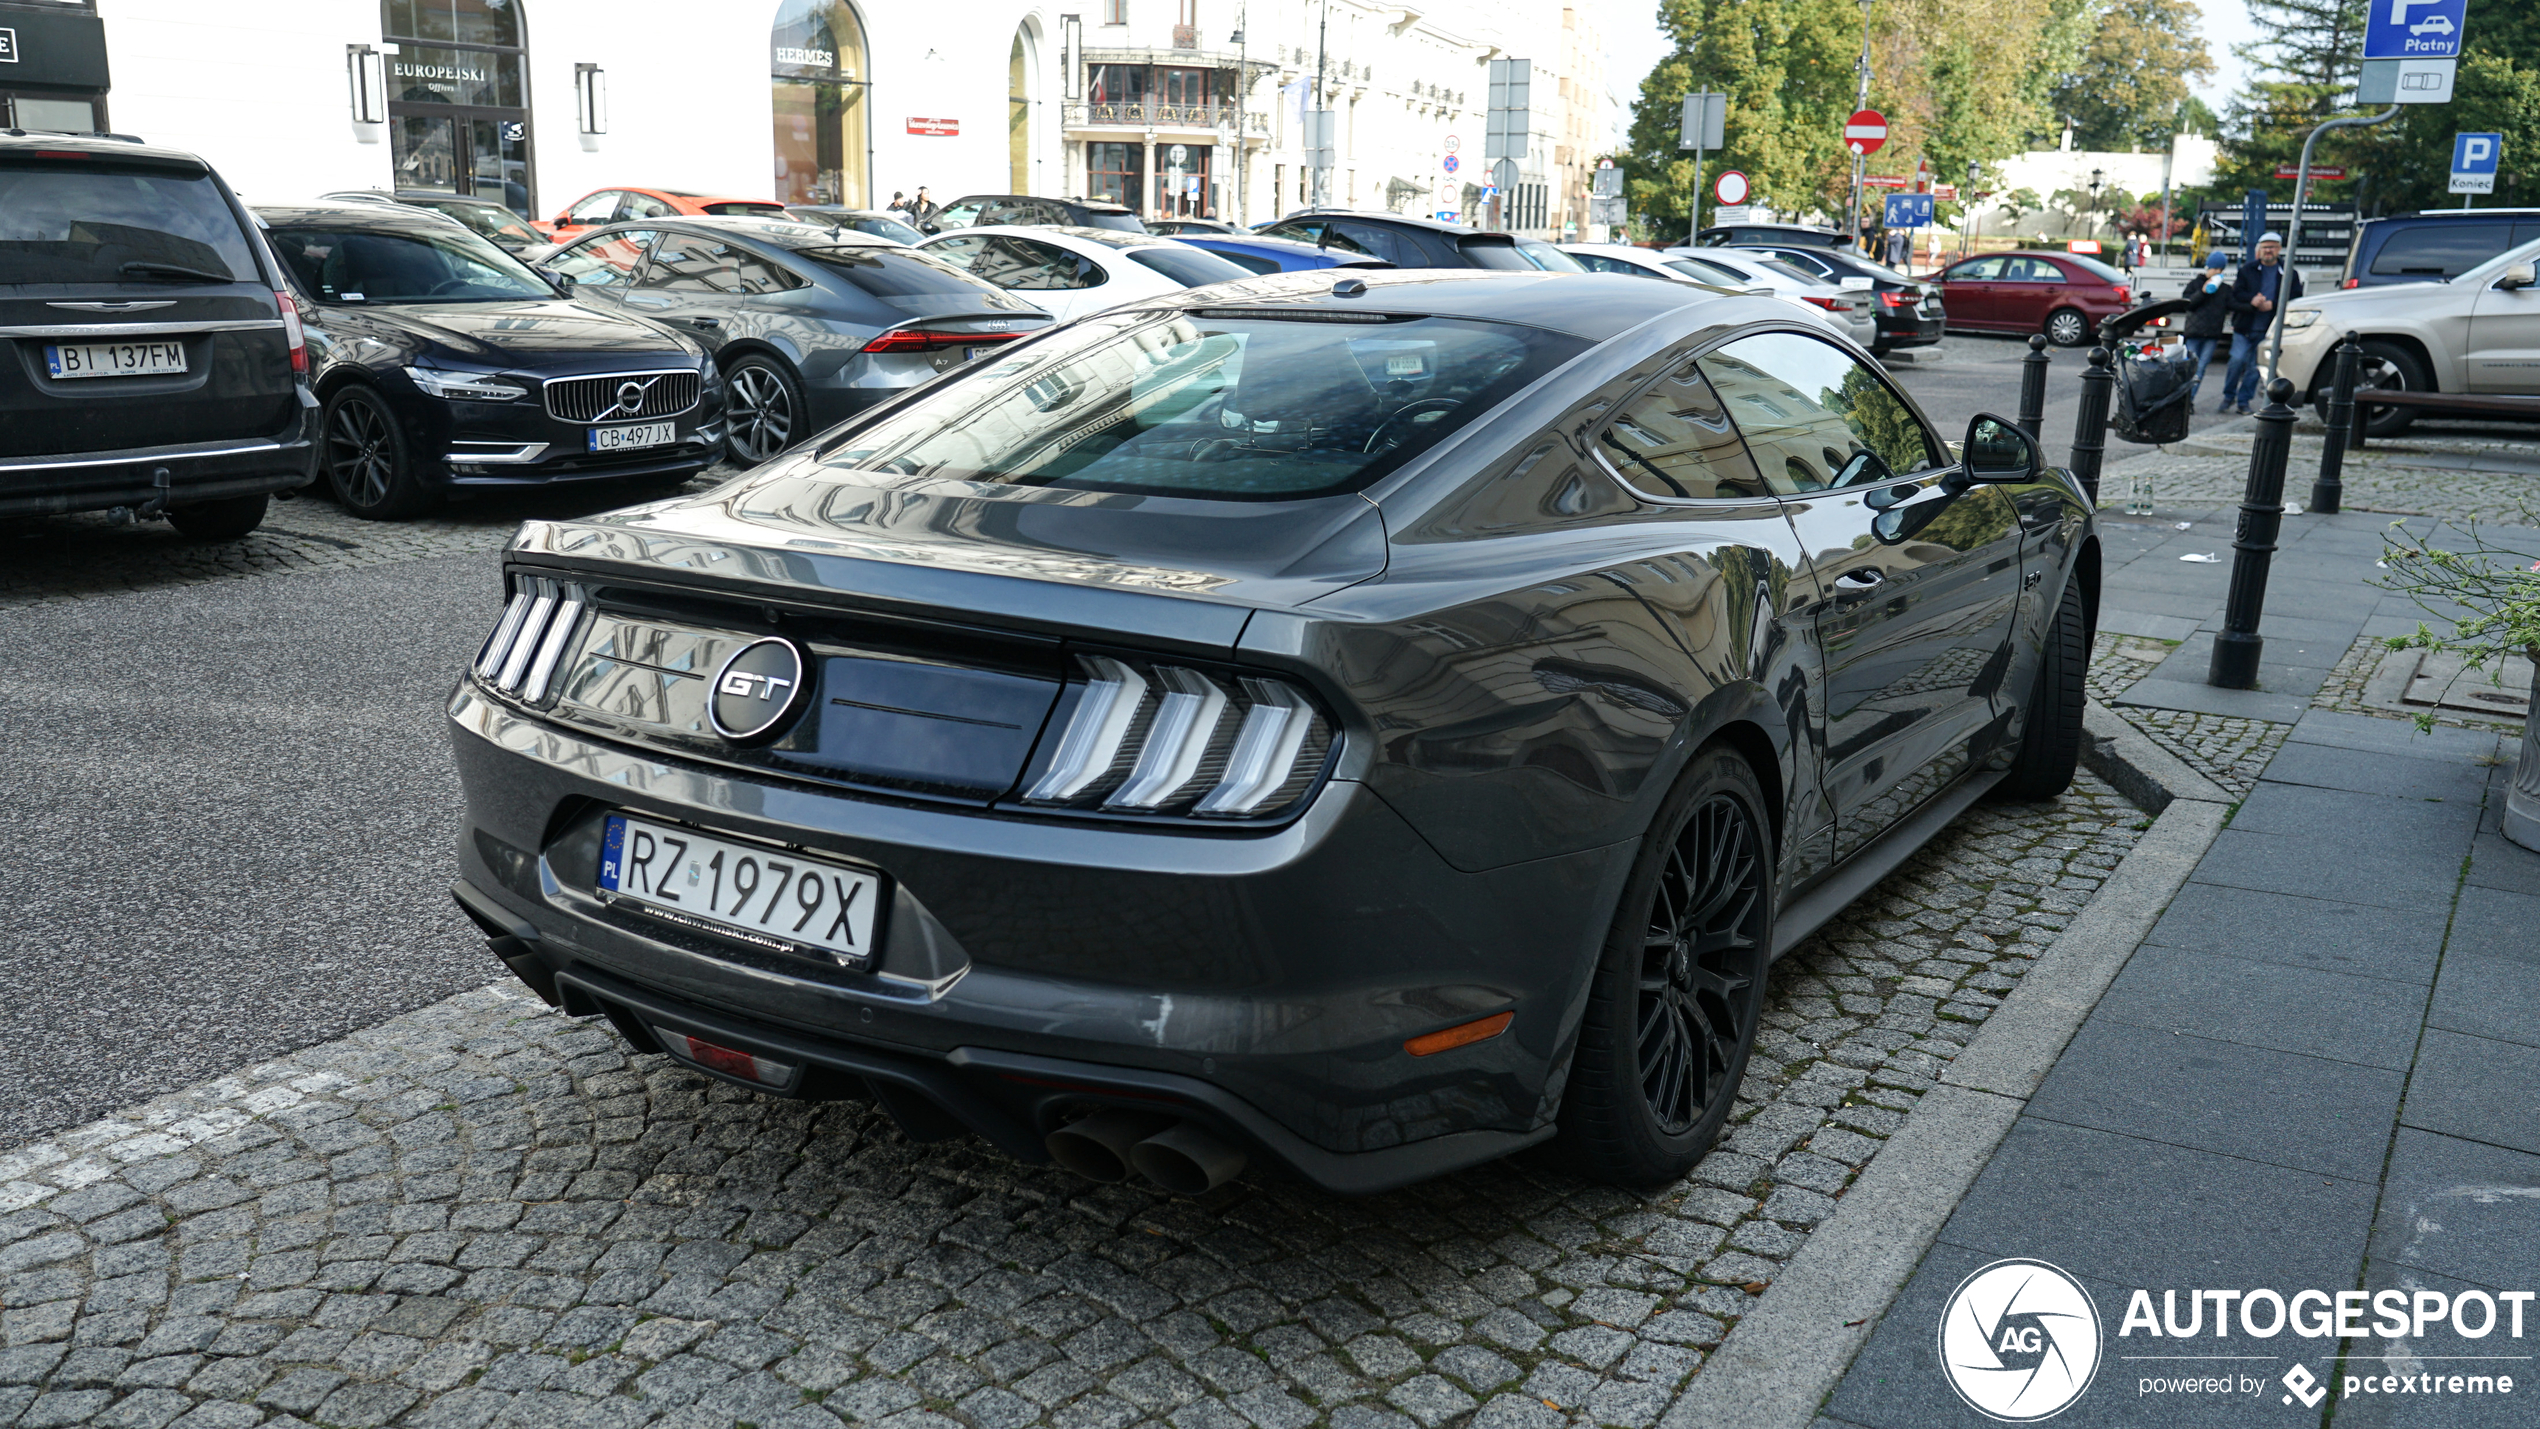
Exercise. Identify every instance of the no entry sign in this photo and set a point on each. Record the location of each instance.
(1730, 188)
(1865, 131)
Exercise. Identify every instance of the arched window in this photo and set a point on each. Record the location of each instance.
(1018, 101)
(458, 98)
(823, 148)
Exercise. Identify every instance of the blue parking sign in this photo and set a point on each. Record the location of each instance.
(2474, 160)
(2414, 29)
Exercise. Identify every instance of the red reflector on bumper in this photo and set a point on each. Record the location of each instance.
(727, 1060)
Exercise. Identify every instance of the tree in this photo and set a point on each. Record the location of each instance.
(2125, 89)
(1787, 67)
(2308, 63)
(2407, 163)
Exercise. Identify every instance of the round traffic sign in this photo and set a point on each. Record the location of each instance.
(1865, 131)
(1453, 143)
(1178, 154)
(1731, 187)
(1451, 163)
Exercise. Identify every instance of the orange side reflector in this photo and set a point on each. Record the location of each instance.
(1431, 1043)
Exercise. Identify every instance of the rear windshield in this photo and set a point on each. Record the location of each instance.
(1123, 222)
(895, 272)
(340, 266)
(746, 210)
(491, 221)
(65, 222)
(1495, 253)
(2440, 250)
(1230, 407)
(1550, 259)
(1190, 267)
(1256, 262)
(2096, 269)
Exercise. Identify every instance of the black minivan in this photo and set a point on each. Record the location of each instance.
(2433, 247)
(158, 363)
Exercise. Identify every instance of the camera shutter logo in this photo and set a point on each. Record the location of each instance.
(756, 690)
(2019, 1341)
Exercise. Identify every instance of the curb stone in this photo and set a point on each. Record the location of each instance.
(1792, 1349)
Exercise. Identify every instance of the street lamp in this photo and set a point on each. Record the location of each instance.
(2097, 178)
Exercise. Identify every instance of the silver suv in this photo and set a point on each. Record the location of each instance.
(159, 364)
(2477, 332)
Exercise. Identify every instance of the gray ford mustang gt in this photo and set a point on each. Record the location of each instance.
(1355, 727)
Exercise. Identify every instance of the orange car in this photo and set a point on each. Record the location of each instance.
(615, 205)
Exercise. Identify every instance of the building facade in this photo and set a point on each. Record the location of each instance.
(1175, 107)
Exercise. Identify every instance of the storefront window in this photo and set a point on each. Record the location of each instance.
(458, 99)
(816, 63)
(1117, 173)
(1188, 87)
(1182, 181)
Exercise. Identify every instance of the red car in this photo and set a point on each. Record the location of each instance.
(623, 204)
(2063, 295)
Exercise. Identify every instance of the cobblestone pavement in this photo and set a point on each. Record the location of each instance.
(55, 559)
(482, 1212)
(2402, 477)
(2227, 749)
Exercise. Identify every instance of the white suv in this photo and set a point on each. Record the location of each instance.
(2478, 332)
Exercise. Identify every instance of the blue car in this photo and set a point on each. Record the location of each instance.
(1276, 255)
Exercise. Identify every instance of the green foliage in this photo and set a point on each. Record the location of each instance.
(2499, 587)
(2127, 84)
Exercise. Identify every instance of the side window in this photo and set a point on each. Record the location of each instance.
(761, 275)
(1983, 270)
(1254, 261)
(683, 263)
(1003, 211)
(1674, 440)
(960, 215)
(1805, 262)
(606, 260)
(1023, 264)
(2030, 270)
(647, 206)
(1300, 232)
(1059, 267)
(1814, 417)
(598, 208)
(1381, 242)
(963, 252)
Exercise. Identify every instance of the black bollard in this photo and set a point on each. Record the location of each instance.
(2235, 662)
(2090, 423)
(2328, 489)
(2033, 385)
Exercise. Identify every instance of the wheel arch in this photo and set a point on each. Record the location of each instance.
(730, 354)
(1753, 744)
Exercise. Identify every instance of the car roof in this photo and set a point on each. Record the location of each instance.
(1099, 237)
(356, 215)
(103, 146)
(2451, 215)
(1253, 240)
(1090, 205)
(783, 232)
(1595, 306)
(1397, 220)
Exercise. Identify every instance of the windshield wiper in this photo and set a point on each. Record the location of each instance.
(174, 270)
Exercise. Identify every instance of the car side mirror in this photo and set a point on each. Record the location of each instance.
(1997, 449)
(561, 282)
(2518, 275)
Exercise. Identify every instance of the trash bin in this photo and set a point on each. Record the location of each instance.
(2155, 390)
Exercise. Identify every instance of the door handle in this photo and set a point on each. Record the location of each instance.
(1863, 576)
(703, 322)
(1858, 584)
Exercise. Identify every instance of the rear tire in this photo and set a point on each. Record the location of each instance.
(2050, 742)
(224, 520)
(2067, 327)
(1679, 987)
(367, 460)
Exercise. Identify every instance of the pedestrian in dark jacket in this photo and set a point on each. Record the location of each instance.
(2209, 298)
(2266, 282)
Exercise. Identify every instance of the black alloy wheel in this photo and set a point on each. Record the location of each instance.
(762, 409)
(367, 461)
(1679, 990)
(2066, 327)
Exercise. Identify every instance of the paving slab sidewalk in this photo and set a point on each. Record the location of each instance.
(2320, 1069)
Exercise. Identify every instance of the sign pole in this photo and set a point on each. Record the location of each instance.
(2293, 235)
(1694, 233)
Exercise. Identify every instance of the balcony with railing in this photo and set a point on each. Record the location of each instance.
(1142, 114)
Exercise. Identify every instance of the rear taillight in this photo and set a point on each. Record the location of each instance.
(1144, 738)
(2124, 293)
(919, 339)
(520, 657)
(291, 330)
(2352, 283)
(1895, 299)
(1832, 305)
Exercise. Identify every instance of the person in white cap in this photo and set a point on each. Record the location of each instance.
(2265, 282)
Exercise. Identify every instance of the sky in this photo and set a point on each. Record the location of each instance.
(1638, 44)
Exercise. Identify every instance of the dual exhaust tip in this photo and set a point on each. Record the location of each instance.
(1176, 1155)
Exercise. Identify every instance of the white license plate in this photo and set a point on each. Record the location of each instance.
(973, 354)
(623, 439)
(762, 896)
(114, 359)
